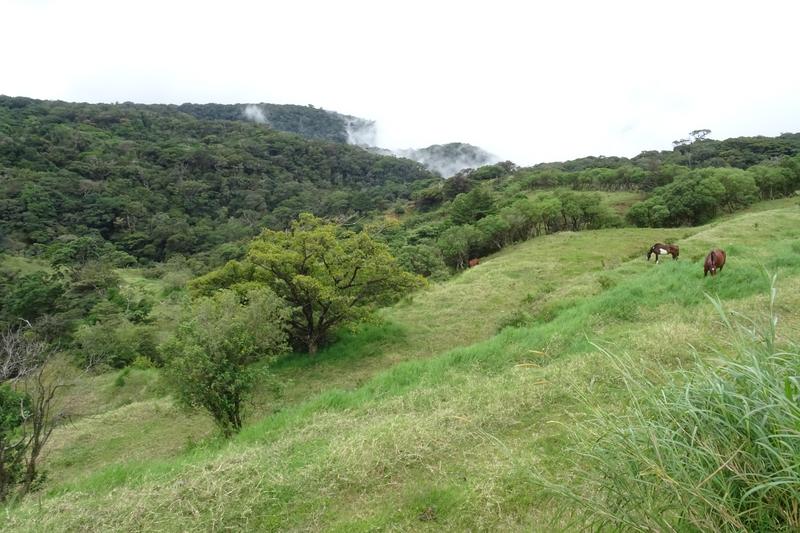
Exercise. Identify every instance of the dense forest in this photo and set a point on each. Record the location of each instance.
(308, 121)
(449, 159)
(155, 181)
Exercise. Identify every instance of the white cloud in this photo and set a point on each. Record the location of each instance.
(527, 82)
(254, 113)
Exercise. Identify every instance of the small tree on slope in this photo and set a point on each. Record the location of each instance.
(222, 348)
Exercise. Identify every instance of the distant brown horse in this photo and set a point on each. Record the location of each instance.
(715, 260)
(474, 262)
(663, 249)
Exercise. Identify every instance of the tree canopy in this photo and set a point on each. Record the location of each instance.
(329, 275)
(156, 181)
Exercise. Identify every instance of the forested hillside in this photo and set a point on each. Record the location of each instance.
(308, 121)
(155, 181)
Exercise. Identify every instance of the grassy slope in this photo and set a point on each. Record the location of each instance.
(23, 265)
(442, 438)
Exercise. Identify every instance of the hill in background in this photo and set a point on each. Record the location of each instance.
(316, 123)
(155, 181)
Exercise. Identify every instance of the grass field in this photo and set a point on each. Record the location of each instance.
(456, 411)
(23, 265)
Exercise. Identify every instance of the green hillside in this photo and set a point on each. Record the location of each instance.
(368, 346)
(460, 410)
(155, 181)
(307, 121)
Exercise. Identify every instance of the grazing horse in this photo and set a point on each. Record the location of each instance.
(715, 260)
(663, 249)
(474, 262)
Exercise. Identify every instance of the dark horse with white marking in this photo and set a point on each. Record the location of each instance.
(715, 260)
(663, 249)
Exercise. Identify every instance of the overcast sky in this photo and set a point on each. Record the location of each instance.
(554, 81)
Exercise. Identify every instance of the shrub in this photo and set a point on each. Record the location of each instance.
(142, 362)
(423, 259)
(211, 360)
(515, 319)
(113, 343)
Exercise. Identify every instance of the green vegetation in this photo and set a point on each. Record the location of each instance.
(30, 379)
(464, 438)
(714, 449)
(308, 121)
(329, 276)
(489, 398)
(156, 182)
(13, 405)
(211, 360)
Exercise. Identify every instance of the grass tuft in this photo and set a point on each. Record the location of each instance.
(716, 449)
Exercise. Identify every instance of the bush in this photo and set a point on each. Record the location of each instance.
(113, 343)
(423, 259)
(211, 361)
(515, 319)
(13, 405)
(142, 362)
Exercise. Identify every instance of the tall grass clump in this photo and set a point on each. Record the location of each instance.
(716, 449)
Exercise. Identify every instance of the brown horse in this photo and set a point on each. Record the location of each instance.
(715, 260)
(663, 249)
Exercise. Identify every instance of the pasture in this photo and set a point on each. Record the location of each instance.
(457, 410)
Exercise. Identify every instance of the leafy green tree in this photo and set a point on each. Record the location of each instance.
(571, 211)
(791, 167)
(495, 231)
(113, 342)
(76, 250)
(548, 210)
(428, 198)
(212, 360)
(652, 212)
(740, 187)
(458, 244)
(472, 206)
(771, 180)
(488, 172)
(30, 296)
(456, 185)
(423, 259)
(330, 276)
(659, 214)
(639, 214)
